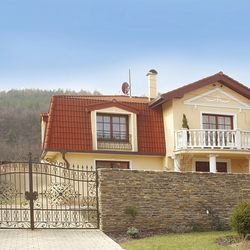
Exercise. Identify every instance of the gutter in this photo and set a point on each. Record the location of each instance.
(63, 152)
(154, 103)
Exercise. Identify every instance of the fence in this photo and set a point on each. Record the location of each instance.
(169, 199)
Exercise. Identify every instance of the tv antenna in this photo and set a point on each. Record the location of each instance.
(126, 87)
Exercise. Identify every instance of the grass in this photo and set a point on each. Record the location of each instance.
(185, 241)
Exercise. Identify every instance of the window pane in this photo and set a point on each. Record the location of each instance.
(221, 120)
(205, 119)
(115, 127)
(115, 119)
(122, 120)
(106, 127)
(106, 119)
(202, 166)
(205, 126)
(212, 126)
(103, 164)
(221, 166)
(120, 165)
(123, 128)
(228, 120)
(99, 126)
(99, 118)
(112, 164)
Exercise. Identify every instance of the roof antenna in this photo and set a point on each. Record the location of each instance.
(126, 87)
(129, 81)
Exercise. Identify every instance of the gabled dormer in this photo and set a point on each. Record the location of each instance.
(114, 126)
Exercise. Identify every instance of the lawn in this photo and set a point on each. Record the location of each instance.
(186, 241)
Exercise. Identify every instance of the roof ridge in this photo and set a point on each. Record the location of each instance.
(75, 95)
(104, 98)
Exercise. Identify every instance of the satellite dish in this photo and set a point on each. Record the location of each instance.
(125, 88)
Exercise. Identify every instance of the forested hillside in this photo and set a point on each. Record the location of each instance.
(20, 131)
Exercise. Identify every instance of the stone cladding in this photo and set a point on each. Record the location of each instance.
(169, 200)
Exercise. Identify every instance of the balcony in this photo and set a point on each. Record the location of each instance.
(115, 142)
(212, 139)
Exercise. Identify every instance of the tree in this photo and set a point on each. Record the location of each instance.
(20, 131)
(10, 137)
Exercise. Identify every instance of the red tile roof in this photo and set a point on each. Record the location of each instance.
(69, 122)
(219, 77)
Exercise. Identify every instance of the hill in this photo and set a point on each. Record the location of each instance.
(20, 130)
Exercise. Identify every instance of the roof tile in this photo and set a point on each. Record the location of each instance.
(69, 124)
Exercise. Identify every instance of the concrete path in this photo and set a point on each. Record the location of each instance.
(63, 239)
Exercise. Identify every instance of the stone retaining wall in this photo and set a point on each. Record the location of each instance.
(168, 200)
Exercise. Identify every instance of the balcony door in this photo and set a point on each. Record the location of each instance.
(212, 124)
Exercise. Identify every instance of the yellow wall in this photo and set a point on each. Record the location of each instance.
(136, 161)
(219, 100)
(193, 113)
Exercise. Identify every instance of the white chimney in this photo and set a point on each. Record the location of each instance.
(152, 84)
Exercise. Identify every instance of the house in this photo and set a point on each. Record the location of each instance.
(203, 126)
(115, 131)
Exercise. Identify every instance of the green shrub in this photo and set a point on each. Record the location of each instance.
(133, 210)
(133, 232)
(240, 218)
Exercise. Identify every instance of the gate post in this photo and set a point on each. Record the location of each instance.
(31, 192)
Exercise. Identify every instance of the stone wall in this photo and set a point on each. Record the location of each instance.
(168, 199)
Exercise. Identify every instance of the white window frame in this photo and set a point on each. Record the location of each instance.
(234, 115)
(130, 124)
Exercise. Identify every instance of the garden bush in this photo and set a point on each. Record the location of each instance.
(240, 218)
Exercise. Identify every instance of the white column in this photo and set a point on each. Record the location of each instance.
(177, 163)
(212, 163)
(248, 164)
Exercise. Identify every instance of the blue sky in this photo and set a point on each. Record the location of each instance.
(91, 45)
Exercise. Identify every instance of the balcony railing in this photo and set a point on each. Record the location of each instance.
(114, 142)
(212, 138)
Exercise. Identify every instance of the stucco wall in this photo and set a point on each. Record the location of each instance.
(168, 199)
(139, 162)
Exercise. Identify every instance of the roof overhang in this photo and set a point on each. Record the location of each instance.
(219, 77)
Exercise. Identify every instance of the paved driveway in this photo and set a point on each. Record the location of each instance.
(63, 239)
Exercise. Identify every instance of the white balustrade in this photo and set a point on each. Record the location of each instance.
(212, 138)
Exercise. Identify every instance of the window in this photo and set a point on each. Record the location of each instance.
(217, 122)
(112, 127)
(213, 123)
(112, 164)
(202, 166)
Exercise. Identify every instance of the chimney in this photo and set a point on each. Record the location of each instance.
(152, 84)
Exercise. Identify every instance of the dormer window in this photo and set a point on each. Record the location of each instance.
(112, 132)
(112, 127)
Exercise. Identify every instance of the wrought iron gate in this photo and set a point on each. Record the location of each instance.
(45, 195)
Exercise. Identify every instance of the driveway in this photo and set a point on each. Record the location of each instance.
(56, 239)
